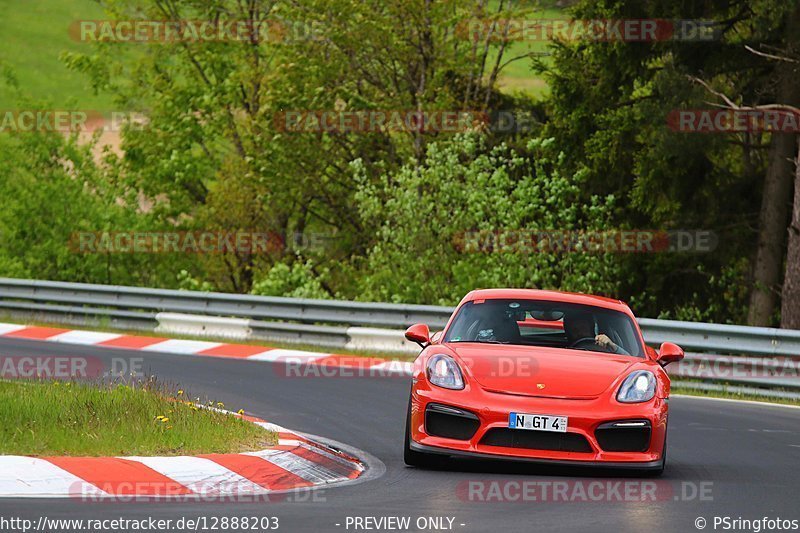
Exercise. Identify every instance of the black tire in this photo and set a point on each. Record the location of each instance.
(411, 457)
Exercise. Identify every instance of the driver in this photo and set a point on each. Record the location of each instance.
(579, 327)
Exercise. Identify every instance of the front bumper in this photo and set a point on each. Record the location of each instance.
(585, 417)
(651, 465)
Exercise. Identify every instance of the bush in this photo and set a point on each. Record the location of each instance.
(422, 211)
(297, 280)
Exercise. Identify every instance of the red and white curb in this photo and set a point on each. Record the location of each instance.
(361, 365)
(295, 463)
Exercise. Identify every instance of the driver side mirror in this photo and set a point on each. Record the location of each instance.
(420, 334)
(669, 353)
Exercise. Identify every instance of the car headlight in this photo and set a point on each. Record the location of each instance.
(443, 371)
(639, 387)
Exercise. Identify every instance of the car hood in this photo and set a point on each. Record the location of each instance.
(539, 371)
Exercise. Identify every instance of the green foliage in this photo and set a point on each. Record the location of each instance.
(464, 185)
(50, 193)
(297, 280)
(608, 108)
(186, 282)
(731, 295)
(212, 157)
(212, 154)
(54, 191)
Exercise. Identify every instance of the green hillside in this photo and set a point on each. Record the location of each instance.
(34, 33)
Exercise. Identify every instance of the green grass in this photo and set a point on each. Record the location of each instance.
(518, 76)
(34, 33)
(142, 418)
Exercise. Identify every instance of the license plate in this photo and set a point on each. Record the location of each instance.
(538, 422)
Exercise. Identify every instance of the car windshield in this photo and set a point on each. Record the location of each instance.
(546, 323)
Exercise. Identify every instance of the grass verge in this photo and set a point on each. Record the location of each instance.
(94, 419)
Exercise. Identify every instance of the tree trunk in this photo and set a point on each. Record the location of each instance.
(790, 298)
(772, 230)
(775, 200)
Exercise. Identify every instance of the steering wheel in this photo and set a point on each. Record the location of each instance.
(590, 345)
(583, 340)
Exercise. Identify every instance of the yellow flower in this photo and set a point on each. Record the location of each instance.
(159, 417)
(180, 393)
(165, 419)
(169, 427)
(240, 411)
(220, 404)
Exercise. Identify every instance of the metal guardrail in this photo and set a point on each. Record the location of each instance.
(723, 338)
(326, 321)
(98, 299)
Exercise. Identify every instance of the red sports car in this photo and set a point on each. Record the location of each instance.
(539, 376)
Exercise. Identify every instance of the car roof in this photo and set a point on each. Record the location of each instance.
(554, 296)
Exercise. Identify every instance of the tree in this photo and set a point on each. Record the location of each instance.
(776, 196)
(212, 153)
(790, 296)
(53, 194)
(609, 108)
(776, 202)
(445, 229)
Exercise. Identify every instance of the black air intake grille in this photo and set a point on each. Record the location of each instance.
(536, 440)
(450, 422)
(624, 436)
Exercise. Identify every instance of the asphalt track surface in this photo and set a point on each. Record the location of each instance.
(746, 457)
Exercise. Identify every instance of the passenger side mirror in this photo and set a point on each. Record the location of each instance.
(669, 353)
(420, 334)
